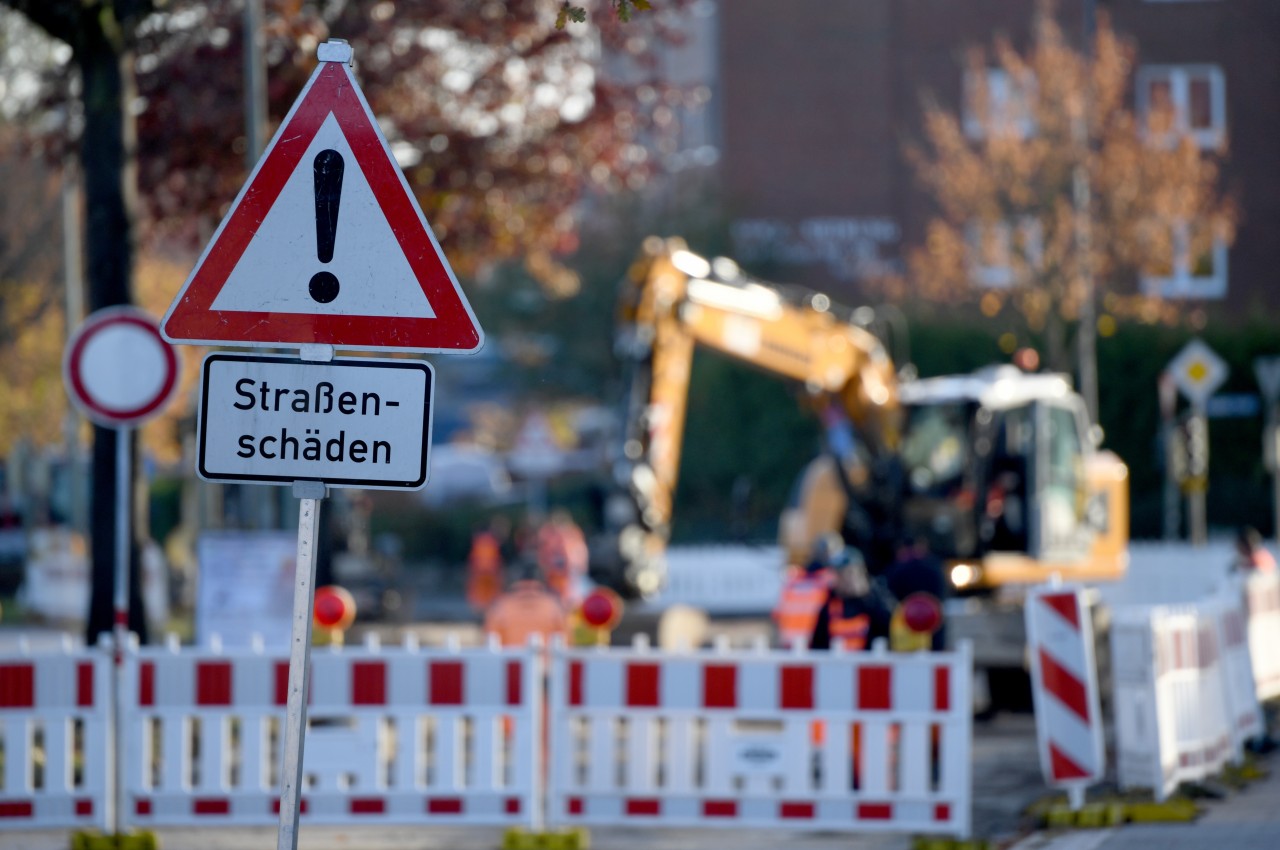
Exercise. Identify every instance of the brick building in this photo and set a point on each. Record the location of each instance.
(813, 101)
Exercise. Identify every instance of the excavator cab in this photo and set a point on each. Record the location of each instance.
(995, 471)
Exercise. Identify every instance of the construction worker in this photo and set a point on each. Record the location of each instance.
(484, 567)
(526, 609)
(1251, 555)
(805, 591)
(856, 611)
(562, 556)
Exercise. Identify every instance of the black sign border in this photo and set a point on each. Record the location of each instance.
(361, 483)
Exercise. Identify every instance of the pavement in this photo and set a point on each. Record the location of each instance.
(1245, 819)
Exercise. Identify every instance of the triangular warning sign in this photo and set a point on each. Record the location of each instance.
(325, 243)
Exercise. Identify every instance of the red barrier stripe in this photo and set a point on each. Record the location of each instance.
(302, 806)
(147, 684)
(1063, 767)
(575, 683)
(446, 683)
(642, 685)
(84, 684)
(875, 692)
(84, 808)
(796, 811)
(875, 811)
(282, 683)
(1059, 682)
(942, 811)
(796, 687)
(720, 686)
(213, 683)
(1065, 605)
(17, 809)
(367, 806)
(720, 809)
(445, 806)
(644, 806)
(941, 689)
(369, 683)
(17, 686)
(211, 806)
(514, 672)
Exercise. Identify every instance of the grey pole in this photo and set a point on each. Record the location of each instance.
(255, 84)
(309, 495)
(1086, 334)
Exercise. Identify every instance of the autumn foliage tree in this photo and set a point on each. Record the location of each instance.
(500, 113)
(1002, 175)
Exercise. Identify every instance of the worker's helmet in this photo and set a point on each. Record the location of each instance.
(828, 551)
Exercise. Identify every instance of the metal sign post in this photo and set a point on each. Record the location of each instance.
(1198, 372)
(309, 495)
(119, 372)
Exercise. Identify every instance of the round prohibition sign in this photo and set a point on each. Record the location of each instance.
(117, 368)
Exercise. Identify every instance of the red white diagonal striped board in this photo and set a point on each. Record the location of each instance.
(1065, 686)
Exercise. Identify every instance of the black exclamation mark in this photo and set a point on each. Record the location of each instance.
(328, 184)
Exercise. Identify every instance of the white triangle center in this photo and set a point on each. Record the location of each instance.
(275, 272)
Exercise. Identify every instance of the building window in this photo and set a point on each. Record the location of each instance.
(1002, 254)
(1183, 99)
(998, 103)
(1181, 275)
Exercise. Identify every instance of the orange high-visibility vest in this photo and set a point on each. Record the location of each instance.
(484, 571)
(851, 632)
(798, 605)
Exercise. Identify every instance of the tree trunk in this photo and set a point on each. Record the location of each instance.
(106, 156)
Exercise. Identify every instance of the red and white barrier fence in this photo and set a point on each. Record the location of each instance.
(1186, 699)
(869, 742)
(397, 735)
(866, 742)
(1262, 604)
(54, 713)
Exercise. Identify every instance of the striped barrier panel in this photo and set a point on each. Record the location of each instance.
(1244, 711)
(858, 742)
(1262, 601)
(1171, 711)
(396, 735)
(1064, 689)
(55, 711)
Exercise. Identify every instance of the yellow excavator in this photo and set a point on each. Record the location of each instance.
(998, 470)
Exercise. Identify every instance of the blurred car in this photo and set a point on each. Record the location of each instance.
(462, 473)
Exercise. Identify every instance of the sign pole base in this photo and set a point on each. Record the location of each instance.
(309, 495)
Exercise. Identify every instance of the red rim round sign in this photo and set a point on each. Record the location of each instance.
(117, 368)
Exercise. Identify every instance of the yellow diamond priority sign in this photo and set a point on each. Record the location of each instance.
(1198, 372)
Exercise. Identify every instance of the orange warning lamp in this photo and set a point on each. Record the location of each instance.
(601, 608)
(334, 609)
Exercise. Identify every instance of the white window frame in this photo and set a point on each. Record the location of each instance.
(1179, 78)
(1002, 274)
(1183, 283)
(1006, 112)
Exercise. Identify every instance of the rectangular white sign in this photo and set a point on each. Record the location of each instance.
(245, 587)
(349, 423)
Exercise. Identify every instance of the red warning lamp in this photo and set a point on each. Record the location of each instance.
(922, 613)
(601, 608)
(334, 608)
